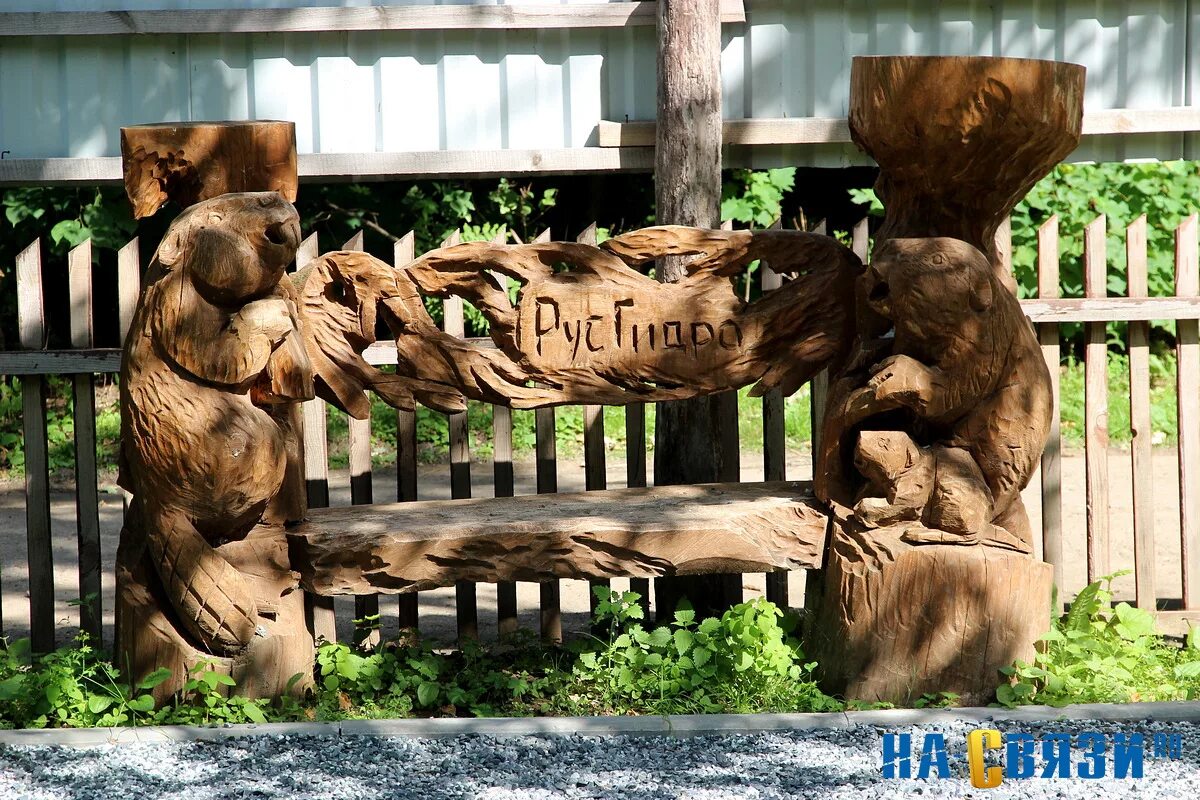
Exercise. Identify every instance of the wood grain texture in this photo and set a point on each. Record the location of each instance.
(129, 283)
(366, 607)
(87, 497)
(995, 124)
(1142, 447)
(899, 620)
(931, 433)
(1187, 354)
(676, 530)
(210, 384)
(31, 324)
(192, 161)
(600, 331)
(1095, 402)
(1051, 465)
(964, 363)
(403, 251)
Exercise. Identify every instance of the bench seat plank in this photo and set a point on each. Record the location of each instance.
(639, 533)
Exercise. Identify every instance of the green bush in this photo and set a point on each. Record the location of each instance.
(745, 661)
(1101, 653)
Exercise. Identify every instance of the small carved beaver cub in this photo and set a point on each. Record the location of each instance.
(941, 488)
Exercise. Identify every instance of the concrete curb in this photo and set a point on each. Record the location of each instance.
(680, 726)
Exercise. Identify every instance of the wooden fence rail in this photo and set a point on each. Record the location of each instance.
(1179, 604)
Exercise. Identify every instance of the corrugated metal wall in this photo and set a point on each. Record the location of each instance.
(398, 91)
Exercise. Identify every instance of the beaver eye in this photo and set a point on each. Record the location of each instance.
(214, 218)
(938, 260)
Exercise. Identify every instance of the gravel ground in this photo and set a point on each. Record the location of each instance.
(819, 764)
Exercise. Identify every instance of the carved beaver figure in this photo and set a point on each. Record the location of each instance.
(213, 345)
(966, 364)
(939, 488)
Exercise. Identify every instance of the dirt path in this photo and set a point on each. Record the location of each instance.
(437, 607)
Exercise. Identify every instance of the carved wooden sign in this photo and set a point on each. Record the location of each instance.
(585, 326)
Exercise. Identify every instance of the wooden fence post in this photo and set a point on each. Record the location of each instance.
(403, 251)
(87, 496)
(321, 617)
(1142, 449)
(1095, 399)
(31, 320)
(774, 438)
(549, 592)
(366, 607)
(1051, 464)
(465, 602)
(1187, 350)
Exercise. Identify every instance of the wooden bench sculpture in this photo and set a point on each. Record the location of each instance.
(930, 434)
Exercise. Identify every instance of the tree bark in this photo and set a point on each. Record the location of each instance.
(692, 437)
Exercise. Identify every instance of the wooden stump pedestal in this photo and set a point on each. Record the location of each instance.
(900, 620)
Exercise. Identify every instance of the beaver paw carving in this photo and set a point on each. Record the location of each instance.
(906, 381)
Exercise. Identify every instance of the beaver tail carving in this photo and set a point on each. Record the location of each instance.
(209, 595)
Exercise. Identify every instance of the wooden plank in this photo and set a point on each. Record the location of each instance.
(403, 252)
(1004, 247)
(836, 130)
(468, 163)
(103, 360)
(423, 17)
(666, 530)
(1111, 309)
(1142, 448)
(595, 474)
(319, 611)
(31, 322)
(796, 130)
(546, 461)
(1095, 399)
(504, 485)
(366, 607)
(466, 602)
(635, 476)
(129, 284)
(307, 250)
(1187, 353)
(1051, 467)
(818, 388)
(87, 495)
(774, 439)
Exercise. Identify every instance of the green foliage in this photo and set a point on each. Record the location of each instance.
(756, 198)
(1101, 653)
(78, 214)
(745, 661)
(72, 687)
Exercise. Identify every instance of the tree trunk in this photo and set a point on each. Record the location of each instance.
(692, 437)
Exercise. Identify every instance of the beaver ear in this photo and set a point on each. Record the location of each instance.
(981, 293)
(170, 249)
